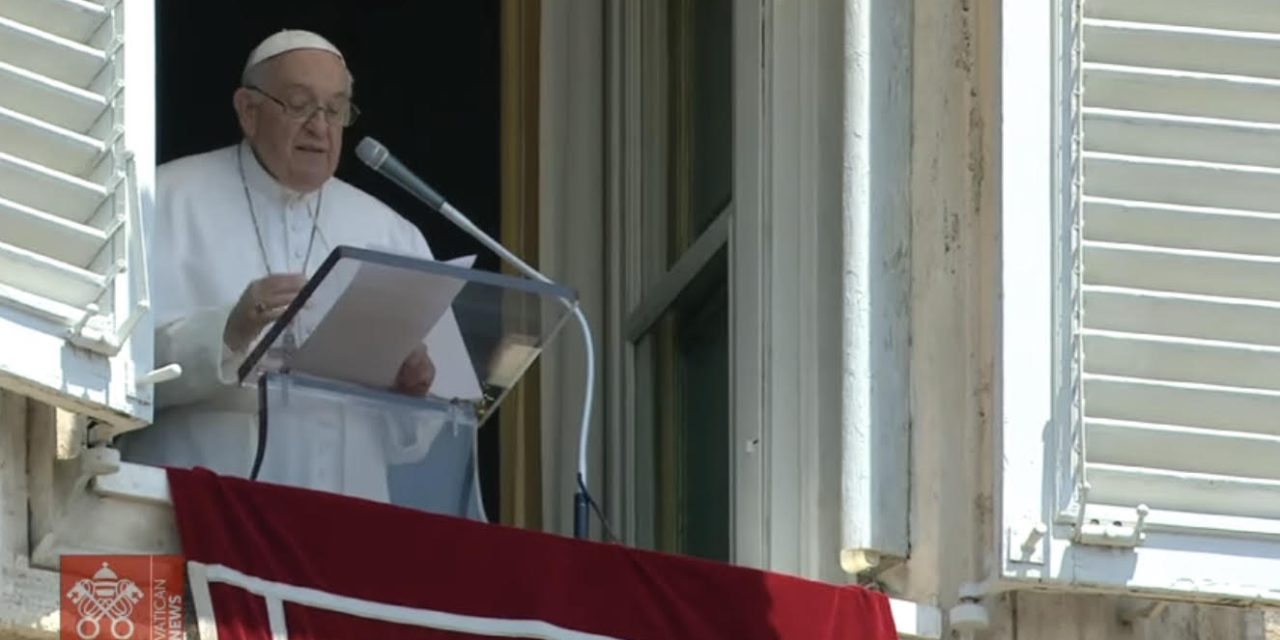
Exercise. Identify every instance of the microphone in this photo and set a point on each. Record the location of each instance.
(379, 158)
(374, 154)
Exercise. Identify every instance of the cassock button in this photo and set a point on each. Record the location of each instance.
(297, 253)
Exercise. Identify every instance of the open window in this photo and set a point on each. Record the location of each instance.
(676, 324)
(1140, 365)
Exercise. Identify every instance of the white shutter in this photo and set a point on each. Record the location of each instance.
(76, 173)
(1140, 395)
(1181, 257)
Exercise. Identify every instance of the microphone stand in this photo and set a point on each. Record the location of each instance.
(581, 513)
(374, 154)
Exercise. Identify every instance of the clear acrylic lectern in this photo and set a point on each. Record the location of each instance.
(329, 417)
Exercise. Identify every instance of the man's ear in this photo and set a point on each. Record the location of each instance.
(246, 111)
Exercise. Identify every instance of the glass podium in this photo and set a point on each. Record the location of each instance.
(329, 417)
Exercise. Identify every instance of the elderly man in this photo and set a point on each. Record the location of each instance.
(238, 230)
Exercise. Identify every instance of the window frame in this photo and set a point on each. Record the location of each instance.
(639, 293)
(794, 220)
(650, 287)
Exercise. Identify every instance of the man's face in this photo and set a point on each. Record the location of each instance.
(301, 153)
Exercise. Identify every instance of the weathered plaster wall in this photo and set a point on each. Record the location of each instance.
(28, 600)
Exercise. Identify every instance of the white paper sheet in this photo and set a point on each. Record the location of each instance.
(368, 317)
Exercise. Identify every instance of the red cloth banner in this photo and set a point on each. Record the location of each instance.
(480, 580)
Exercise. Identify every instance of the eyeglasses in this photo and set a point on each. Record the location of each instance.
(343, 114)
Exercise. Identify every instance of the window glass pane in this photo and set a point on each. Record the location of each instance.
(689, 351)
(700, 34)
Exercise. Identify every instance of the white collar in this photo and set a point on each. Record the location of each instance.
(264, 184)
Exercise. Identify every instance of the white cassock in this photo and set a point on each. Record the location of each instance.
(205, 253)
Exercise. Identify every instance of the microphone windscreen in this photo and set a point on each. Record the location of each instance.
(372, 153)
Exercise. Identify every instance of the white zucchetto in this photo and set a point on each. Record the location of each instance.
(289, 40)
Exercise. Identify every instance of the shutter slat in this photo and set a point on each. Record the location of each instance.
(1185, 404)
(40, 142)
(42, 306)
(54, 102)
(43, 276)
(49, 55)
(1196, 272)
(1183, 491)
(1182, 93)
(1181, 315)
(1133, 133)
(1179, 490)
(1170, 359)
(1158, 46)
(1201, 184)
(1176, 448)
(1181, 227)
(73, 19)
(38, 187)
(1238, 15)
(50, 235)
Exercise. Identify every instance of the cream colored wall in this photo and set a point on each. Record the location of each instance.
(28, 597)
(1036, 616)
(952, 289)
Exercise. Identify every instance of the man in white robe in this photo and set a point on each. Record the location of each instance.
(238, 230)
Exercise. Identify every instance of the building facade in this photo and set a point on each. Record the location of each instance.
(965, 301)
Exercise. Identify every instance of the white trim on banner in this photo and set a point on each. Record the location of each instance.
(275, 618)
(201, 575)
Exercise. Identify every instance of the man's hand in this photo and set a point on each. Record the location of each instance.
(262, 302)
(416, 373)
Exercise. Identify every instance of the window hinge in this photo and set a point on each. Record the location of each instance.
(1110, 531)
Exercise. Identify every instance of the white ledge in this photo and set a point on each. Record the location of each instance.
(136, 482)
(916, 621)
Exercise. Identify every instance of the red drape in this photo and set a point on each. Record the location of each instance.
(391, 555)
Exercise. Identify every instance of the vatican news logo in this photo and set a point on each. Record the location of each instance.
(123, 598)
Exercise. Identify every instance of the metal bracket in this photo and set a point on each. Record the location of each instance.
(1026, 542)
(1114, 533)
(1109, 532)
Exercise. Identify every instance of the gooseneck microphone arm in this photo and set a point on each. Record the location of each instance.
(374, 154)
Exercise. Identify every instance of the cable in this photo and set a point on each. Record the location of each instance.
(588, 343)
(477, 494)
(604, 522)
(376, 155)
(589, 397)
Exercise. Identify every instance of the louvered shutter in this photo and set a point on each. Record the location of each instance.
(1181, 256)
(1139, 403)
(76, 168)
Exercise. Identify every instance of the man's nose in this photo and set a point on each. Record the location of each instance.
(318, 123)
